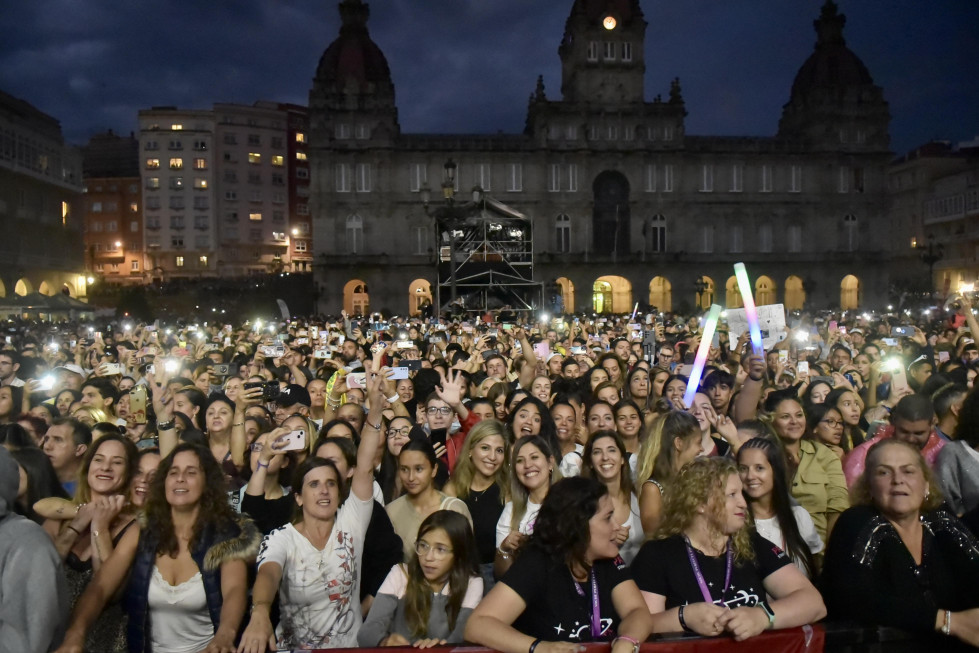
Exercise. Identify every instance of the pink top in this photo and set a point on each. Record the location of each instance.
(855, 461)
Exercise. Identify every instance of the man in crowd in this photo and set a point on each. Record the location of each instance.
(65, 445)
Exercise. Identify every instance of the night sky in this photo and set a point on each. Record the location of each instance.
(469, 66)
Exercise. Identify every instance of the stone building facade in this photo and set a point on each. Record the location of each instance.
(626, 205)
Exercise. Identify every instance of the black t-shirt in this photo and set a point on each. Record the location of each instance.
(485, 508)
(663, 567)
(555, 610)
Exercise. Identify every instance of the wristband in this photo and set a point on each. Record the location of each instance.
(947, 627)
(504, 554)
(166, 426)
(533, 645)
(376, 427)
(261, 464)
(393, 398)
(74, 530)
(683, 623)
(768, 613)
(634, 642)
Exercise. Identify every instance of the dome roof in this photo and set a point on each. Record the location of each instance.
(353, 57)
(832, 65)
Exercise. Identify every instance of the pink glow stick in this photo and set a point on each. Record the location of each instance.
(710, 324)
(744, 285)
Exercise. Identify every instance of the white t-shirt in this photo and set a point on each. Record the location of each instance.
(526, 525)
(772, 531)
(630, 547)
(571, 462)
(320, 591)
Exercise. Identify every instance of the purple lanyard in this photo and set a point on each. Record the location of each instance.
(695, 566)
(596, 617)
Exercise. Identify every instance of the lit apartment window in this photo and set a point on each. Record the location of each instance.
(176, 164)
(176, 183)
(300, 137)
(254, 157)
(176, 127)
(278, 160)
(203, 261)
(133, 207)
(300, 156)
(200, 164)
(200, 182)
(255, 217)
(179, 261)
(152, 164)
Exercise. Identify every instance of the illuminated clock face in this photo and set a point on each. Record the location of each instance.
(609, 22)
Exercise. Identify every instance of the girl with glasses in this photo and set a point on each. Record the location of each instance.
(417, 468)
(427, 601)
(826, 425)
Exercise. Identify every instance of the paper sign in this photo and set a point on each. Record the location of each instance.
(771, 320)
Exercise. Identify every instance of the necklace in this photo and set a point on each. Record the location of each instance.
(478, 494)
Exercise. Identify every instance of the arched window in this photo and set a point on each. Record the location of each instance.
(563, 234)
(355, 234)
(849, 233)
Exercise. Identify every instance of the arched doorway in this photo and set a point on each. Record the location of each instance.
(764, 291)
(732, 294)
(849, 293)
(46, 289)
(610, 218)
(419, 296)
(3, 289)
(705, 292)
(23, 287)
(661, 294)
(567, 293)
(612, 294)
(356, 301)
(795, 294)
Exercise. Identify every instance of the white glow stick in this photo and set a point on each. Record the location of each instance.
(710, 324)
(744, 285)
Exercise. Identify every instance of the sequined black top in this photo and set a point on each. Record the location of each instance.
(869, 576)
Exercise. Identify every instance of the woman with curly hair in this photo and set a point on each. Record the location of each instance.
(482, 480)
(708, 572)
(427, 601)
(186, 563)
(566, 584)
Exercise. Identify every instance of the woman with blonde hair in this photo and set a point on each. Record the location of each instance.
(708, 572)
(674, 441)
(482, 480)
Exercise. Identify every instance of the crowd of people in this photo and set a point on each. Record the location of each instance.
(519, 483)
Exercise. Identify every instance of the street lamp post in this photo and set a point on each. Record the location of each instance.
(931, 253)
(701, 286)
(448, 213)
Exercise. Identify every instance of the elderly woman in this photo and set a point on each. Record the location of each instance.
(897, 558)
(709, 572)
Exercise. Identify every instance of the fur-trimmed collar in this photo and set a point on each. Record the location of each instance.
(243, 546)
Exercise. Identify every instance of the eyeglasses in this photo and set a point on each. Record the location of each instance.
(435, 410)
(439, 551)
(404, 432)
(832, 423)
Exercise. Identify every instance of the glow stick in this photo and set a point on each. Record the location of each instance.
(744, 285)
(635, 309)
(698, 364)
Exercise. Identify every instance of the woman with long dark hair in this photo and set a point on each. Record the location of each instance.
(530, 416)
(605, 461)
(777, 519)
(427, 601)
(38, 481)
(565, 585)
(186, 563)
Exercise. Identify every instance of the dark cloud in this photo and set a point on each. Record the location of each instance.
(470, 65)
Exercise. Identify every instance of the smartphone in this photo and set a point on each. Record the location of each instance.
(221, 369)
(46, 382)
(802, 368)
(314, 332)
(832, 325)
(542, 349)
(270, 390)
(577, 351)
(783, 356)
(507, 326)
(405, 344)
(890, 342)
(357, 380)
(171, 366)
(412, 365)
(111, 369)
(943, 357)
(842, 330)
(227, 342)
(321, 353)
(902, 331)
(302, 341)
(293, 441)
(400, 372)
(137, 404)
